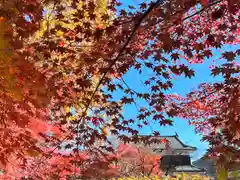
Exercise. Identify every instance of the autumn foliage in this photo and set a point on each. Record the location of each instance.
(133, 161)
(61, 61)
(182, 176)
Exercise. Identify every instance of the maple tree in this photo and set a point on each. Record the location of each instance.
(20, 111)
(28, 89)
(63, 56)
(133, 161)
(214, 111)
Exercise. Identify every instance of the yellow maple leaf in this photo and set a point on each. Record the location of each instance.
(71, 118)
(59, 33)
(67, 109)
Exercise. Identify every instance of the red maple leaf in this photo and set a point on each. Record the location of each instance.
(61, 43)
(204, 2)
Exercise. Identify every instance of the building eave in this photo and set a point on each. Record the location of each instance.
(191, 171)
(194, 170)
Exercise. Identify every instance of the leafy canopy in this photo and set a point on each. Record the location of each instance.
(62, 61)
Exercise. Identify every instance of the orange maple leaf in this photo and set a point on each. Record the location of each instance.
(11, 70)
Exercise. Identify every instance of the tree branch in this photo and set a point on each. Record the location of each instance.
(118, 56)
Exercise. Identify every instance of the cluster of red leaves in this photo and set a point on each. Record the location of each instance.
(23, 105)
(135, 161)
(214, 111)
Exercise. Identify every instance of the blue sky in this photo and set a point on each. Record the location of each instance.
(181, 86)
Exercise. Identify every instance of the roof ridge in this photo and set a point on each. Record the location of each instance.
(173, 136)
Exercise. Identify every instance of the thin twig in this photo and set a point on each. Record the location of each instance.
(201, 10)
(120, 53)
